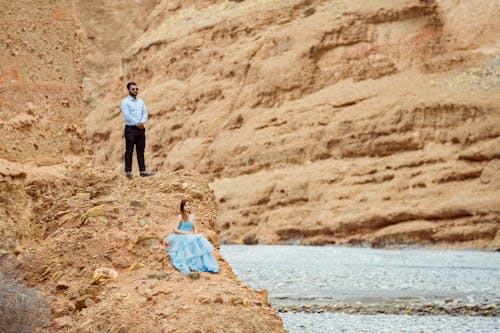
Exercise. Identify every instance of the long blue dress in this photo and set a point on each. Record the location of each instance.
(191, 252)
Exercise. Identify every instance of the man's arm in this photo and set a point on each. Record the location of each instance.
(144, 116)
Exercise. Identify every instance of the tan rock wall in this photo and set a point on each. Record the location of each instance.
(42, 68)
(42, 51)
(322, 121)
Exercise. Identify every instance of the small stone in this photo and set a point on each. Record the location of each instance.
(91, 291)
(105, 200)
(94, 212)
(308, 12)
(236, 301)
(62, 285)
(135, 266)
(204, 299)
(61, 322)
(218, 299)
(284, 20)
(104, 273)
(142, 238)
(477, 71)
(59, 311)
(136, 203)
(117, 263)
(88, 302)
(18, 250)
(194, 275)
(70, 306)
(80, 303)
(30, 107)
(196, 194)
(490, 172)
(72, 294)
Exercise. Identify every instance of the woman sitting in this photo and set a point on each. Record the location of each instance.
(188, 250)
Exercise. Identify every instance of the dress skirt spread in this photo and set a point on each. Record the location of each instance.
(191, 252)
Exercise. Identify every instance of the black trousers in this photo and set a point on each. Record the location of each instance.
(134, 136)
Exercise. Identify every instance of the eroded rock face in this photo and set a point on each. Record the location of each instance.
(42, 67)
(42, 50)
(85, 237)
(323, 122)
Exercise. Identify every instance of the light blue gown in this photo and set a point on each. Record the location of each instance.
(191, 252)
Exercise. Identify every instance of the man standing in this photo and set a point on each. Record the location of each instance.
(135, 114)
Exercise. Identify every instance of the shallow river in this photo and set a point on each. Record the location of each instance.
(342, 289)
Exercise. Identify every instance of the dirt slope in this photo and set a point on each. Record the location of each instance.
(103, 222)
(320, 121)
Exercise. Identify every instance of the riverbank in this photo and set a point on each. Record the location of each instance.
(312, 286)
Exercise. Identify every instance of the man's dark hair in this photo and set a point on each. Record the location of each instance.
(130, 84)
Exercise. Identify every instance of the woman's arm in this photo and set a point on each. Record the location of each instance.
(177, 231)
(193, 219)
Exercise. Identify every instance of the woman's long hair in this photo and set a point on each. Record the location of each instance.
(183, 203)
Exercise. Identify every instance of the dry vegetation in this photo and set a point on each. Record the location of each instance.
(21, 308)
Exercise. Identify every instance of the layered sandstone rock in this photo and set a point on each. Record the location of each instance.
(323, 121)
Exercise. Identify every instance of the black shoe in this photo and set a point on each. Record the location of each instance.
(146, 173)
(129, 175)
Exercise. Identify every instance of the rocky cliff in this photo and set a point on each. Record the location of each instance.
(317, 122)
(42, 48)
(84, 237)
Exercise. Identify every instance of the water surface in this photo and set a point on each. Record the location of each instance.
(363, 280)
